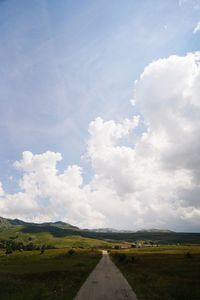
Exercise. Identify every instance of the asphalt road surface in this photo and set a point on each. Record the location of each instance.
(106, 282)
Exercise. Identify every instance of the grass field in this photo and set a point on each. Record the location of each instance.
(53, 275)
(47, 238)
(155, 273)
(163, 273)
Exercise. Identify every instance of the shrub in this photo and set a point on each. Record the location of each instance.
(8, 250)
(71, 252)
(188, 255)
(50, 247)
(42, 249)
(117, 247)
(122, 257)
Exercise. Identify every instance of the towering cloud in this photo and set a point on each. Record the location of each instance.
(140, 178)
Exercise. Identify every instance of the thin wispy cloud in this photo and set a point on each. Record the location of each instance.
(197, 28)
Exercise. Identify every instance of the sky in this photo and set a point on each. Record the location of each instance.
(100, 113)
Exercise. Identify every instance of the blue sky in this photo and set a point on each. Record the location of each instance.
(65, 63)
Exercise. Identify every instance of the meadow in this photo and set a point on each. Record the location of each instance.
(16, 235)
(56, 274)
(166, 272)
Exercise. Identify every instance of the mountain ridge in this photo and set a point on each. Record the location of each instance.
(18, 229)
(7, 222)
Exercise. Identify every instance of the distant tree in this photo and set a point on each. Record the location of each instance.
(50, 247)
(71, 252)
(122, 257)
(42, 249)
(30, 247)
(188, 255)
(8, 250)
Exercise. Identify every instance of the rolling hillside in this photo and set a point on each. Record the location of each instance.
(29, 236)
(59, 234)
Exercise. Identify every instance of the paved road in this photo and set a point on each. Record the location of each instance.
(106, 282)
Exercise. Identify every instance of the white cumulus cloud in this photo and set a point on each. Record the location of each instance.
(47, 194)
(140, 177)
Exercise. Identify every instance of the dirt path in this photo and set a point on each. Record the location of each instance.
(106, 282)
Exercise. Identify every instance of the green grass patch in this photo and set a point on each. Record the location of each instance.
(16, 235)
(167, 273)
(57, 274)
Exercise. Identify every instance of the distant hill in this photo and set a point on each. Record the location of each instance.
(61, 225)
(31, 236)
(57, 232)
(154, 230)
(108, 230)
(112, 230)
(4, 223)
(7, 223)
